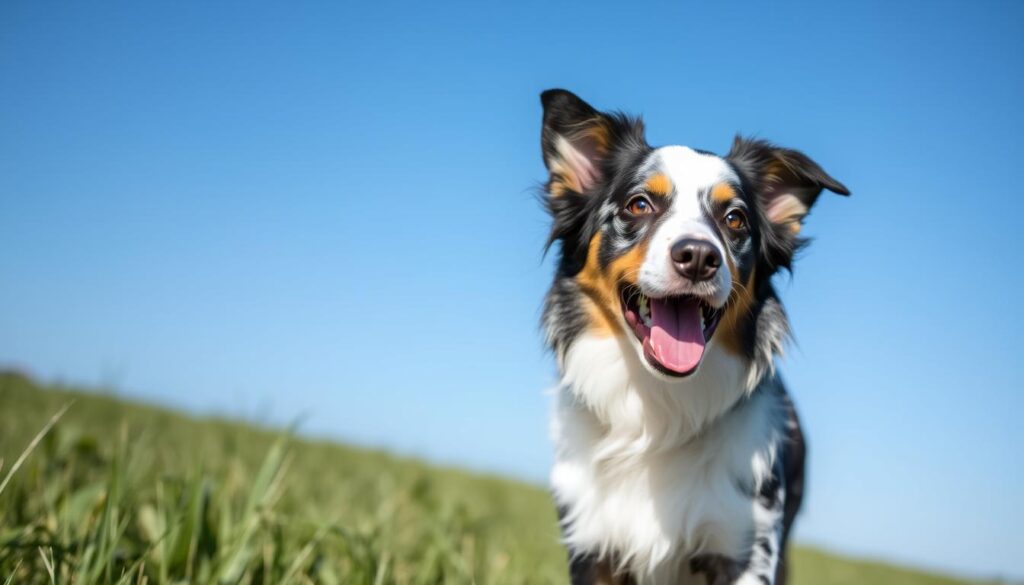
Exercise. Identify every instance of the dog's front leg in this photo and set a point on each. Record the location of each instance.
(764, 560)
(769, 503)
(759, 569)
(769, 527)
(761, 566)
(588, 569)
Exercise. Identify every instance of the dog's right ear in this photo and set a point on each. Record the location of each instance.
(575, 139)
(577, 142)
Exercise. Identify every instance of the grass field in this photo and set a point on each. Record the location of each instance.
(118, 492)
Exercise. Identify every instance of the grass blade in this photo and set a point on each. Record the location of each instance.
(13, 573)
(32, 445)
(48, 564)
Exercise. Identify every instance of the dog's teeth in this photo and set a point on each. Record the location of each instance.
(644, 310)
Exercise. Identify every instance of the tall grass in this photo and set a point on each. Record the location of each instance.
(114, 492)
(118, 493)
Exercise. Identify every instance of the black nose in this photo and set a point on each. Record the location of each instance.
(695, 259)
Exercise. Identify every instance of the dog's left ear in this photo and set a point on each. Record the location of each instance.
(786, 181)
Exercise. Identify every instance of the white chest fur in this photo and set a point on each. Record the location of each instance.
(656, 471)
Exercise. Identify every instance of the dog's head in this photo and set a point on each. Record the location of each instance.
(670, 247)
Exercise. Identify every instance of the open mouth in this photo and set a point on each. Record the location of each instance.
(673, 330)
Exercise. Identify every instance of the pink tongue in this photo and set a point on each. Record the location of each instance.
(677, 338)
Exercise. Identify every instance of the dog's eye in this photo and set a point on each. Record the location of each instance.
(736, 220)
(639, 205)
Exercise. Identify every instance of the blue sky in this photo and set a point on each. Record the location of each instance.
(326, 211)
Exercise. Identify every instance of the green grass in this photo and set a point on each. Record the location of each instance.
(118, 492)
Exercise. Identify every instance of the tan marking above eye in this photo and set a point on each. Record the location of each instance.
(658, 185)
(723, 193)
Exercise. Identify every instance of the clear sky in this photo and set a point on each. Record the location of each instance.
(327, 211)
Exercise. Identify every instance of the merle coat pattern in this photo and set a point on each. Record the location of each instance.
(679, 456)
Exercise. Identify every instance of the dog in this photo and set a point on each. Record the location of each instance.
(679, 457)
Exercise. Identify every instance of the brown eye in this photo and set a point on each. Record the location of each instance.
(736, 220)
(639, 205)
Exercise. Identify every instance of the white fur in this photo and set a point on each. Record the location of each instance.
(656, 470)
(692, 175)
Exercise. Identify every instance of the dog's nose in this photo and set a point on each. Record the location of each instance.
(696, 259)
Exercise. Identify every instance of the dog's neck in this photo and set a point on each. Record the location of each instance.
(640, 412)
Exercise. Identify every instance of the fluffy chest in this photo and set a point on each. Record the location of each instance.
(649, 498)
